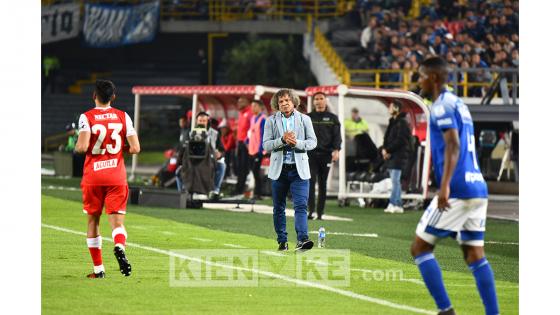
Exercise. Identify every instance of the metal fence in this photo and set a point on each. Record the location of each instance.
(234, 10)
(466, 82)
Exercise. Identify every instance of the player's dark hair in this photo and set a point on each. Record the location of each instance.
(436, 64)
(104, 90)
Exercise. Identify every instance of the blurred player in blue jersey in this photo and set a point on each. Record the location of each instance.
(459, 209)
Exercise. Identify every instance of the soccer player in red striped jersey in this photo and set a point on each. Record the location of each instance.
(103, 134)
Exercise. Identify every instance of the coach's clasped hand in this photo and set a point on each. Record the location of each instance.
(289, 138)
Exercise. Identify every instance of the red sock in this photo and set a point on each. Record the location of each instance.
(94, 245)
(119, 236)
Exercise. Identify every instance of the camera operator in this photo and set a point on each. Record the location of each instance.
(213, 138)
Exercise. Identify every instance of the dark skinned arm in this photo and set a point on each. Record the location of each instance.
(451, 156)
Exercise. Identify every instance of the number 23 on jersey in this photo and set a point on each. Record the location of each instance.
(112, 148)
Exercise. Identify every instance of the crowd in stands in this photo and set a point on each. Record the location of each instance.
(468, 34)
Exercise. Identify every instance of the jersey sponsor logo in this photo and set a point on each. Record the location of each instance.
(101, 165)
(471, 177)
(445, 121)
(326, 119)
(107, 116)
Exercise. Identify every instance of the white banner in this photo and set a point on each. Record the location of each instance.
(59, 22)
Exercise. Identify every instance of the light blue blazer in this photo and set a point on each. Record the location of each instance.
(272, 140)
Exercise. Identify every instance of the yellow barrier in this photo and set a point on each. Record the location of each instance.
(232, 10)
(406, 82)
(332, 57)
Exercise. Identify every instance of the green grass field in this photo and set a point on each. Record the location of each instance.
(154, 232)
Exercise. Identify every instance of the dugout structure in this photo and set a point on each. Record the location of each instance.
(219, 100)
(419, 115)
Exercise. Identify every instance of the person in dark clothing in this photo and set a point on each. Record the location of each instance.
(395, 151)
(327, 130)
(203, 68)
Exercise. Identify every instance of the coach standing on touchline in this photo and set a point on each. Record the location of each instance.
(288, 135)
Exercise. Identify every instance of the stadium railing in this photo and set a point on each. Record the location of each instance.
(461, 79)
(235, 10)
(331, 56)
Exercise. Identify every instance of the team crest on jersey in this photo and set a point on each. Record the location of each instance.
(439, 110)
(107, 116)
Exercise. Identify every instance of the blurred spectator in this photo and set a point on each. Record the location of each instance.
(72, 133)
(355, 125)
(51, 67)
(515, 57)
(203, 68)
(394, 76)
(184, 129)
(368, 34)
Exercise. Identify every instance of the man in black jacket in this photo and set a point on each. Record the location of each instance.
(327, 130)
(395, 151)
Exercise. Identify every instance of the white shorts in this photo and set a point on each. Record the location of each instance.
(465, 221)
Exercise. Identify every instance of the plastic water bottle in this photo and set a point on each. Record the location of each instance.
(322, 235)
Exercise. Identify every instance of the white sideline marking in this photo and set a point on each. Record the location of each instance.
(501, 243)
(167, 233)
(267, 252)
(346, 293)
(205, 240)
(265, 209)
(233, 245)
(501, 217)
(417, 281)
(348, 234)
(51, 187)
(46, 171)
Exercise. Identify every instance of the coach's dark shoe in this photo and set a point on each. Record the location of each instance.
(310, 217)
(319, 218)
(124, 266)
(94, 275)
(304, 245)
(450, 311)
(282, 246)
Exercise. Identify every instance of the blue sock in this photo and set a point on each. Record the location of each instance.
(429, 268)
(484, 277)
